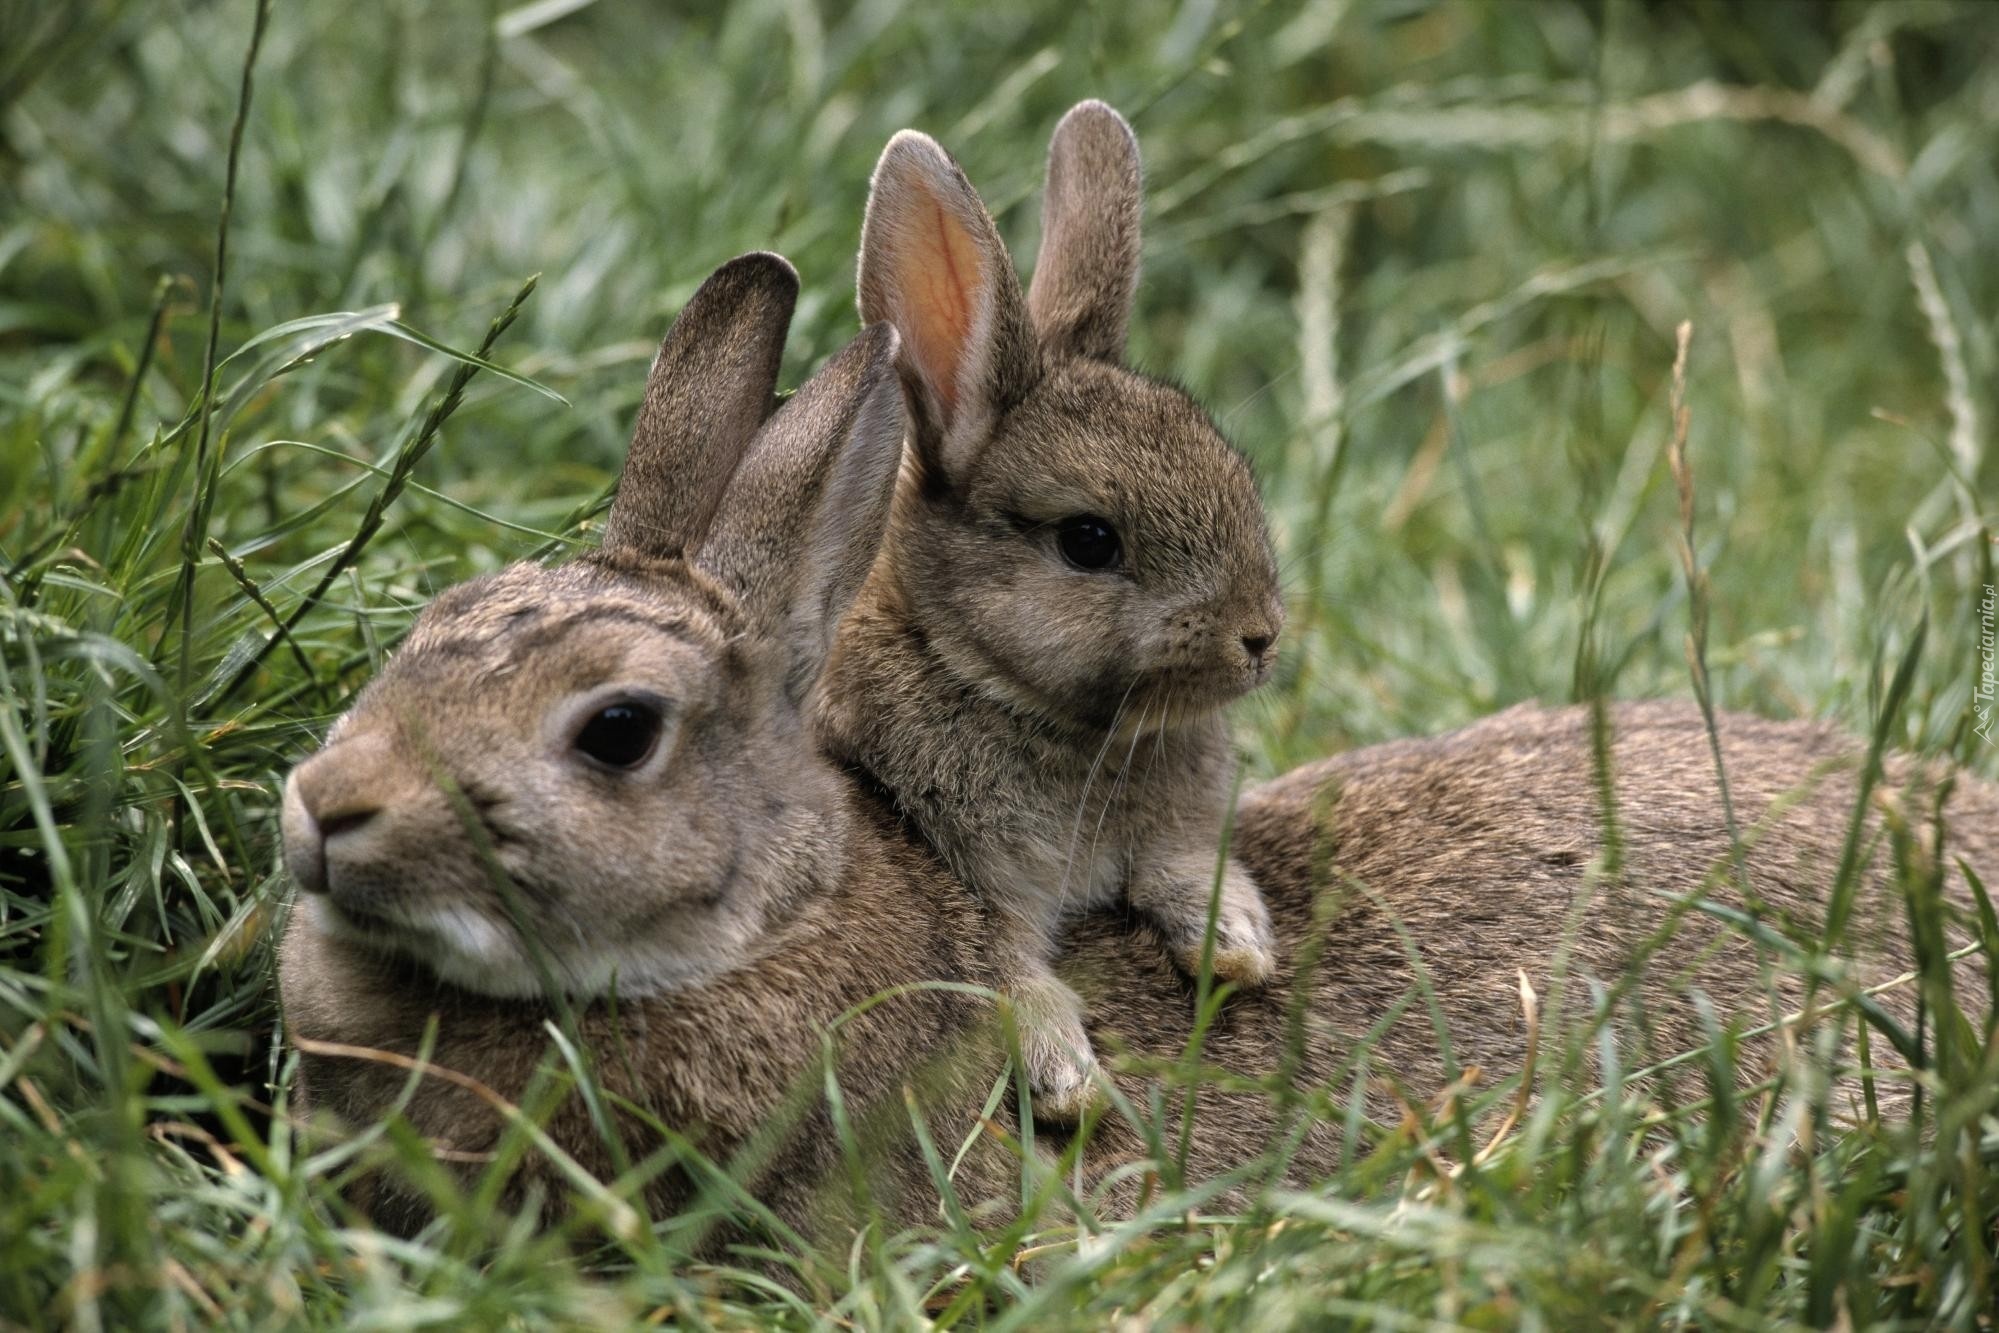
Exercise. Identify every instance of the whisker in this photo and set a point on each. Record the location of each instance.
(1124, 775)
(1230, 413)
(1083, 801)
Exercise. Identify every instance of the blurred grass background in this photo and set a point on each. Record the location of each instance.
(1424, 261)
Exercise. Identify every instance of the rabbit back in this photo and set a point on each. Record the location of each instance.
(1447, 866)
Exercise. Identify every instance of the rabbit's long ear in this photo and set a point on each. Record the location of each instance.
(709, 390)
(798, 528)
(933, 265)
(1087, 271)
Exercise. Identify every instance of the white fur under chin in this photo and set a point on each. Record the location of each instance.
(474, 953)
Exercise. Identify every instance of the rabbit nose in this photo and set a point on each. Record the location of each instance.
(332, 796)
(305, 845)
(1256, 645)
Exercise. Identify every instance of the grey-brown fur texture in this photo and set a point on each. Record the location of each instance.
(1474, 852)
(709, 387)
(709, 908)
(720, 1063)
(1056, 732)
(1469, 851)
(650, 878)
(742, 896)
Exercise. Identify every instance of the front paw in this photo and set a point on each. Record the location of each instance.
(1054, 1050)
(1245, 945)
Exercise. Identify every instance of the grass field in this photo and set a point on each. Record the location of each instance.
(1424, 261)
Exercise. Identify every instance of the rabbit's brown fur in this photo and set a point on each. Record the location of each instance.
(1469, 849)
(718, 1062)
(725, 890)
(1473, 851)
(689, 869)
(1055, 731)
(748, 894)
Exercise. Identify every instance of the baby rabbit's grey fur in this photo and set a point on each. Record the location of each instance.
(1055, 730)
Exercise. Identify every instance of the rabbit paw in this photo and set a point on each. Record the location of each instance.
(1245, 946)
(1054, 1048)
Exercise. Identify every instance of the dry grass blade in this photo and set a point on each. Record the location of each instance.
(622, 1220)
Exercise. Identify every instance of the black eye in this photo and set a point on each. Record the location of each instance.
(1088, 542)
(620, 735)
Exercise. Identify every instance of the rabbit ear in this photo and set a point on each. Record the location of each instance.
(709, 390)
(1087, 271)
(933, 265)
(798, 527)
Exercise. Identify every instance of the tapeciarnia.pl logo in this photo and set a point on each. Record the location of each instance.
(1981, 694)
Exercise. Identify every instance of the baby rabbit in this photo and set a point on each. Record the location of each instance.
(1077, 578)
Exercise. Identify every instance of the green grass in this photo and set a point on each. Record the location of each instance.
(1425, 262)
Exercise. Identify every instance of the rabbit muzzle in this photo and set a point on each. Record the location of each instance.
(1210, 657)
(343, 812)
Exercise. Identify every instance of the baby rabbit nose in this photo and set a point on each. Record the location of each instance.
(1256, 645)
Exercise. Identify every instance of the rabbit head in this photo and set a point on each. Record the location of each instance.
(596, 776)
(1071, 532)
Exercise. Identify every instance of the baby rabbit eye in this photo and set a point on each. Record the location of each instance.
(1088, 542)
(620, 735)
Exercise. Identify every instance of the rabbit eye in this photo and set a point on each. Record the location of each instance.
(1088, 542)
(620, 735)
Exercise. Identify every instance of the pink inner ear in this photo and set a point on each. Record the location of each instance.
(943, 283)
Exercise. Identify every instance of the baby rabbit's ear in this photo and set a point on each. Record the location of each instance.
(1087, 271)
(798, 528)
(709, 390)
(933, 265)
